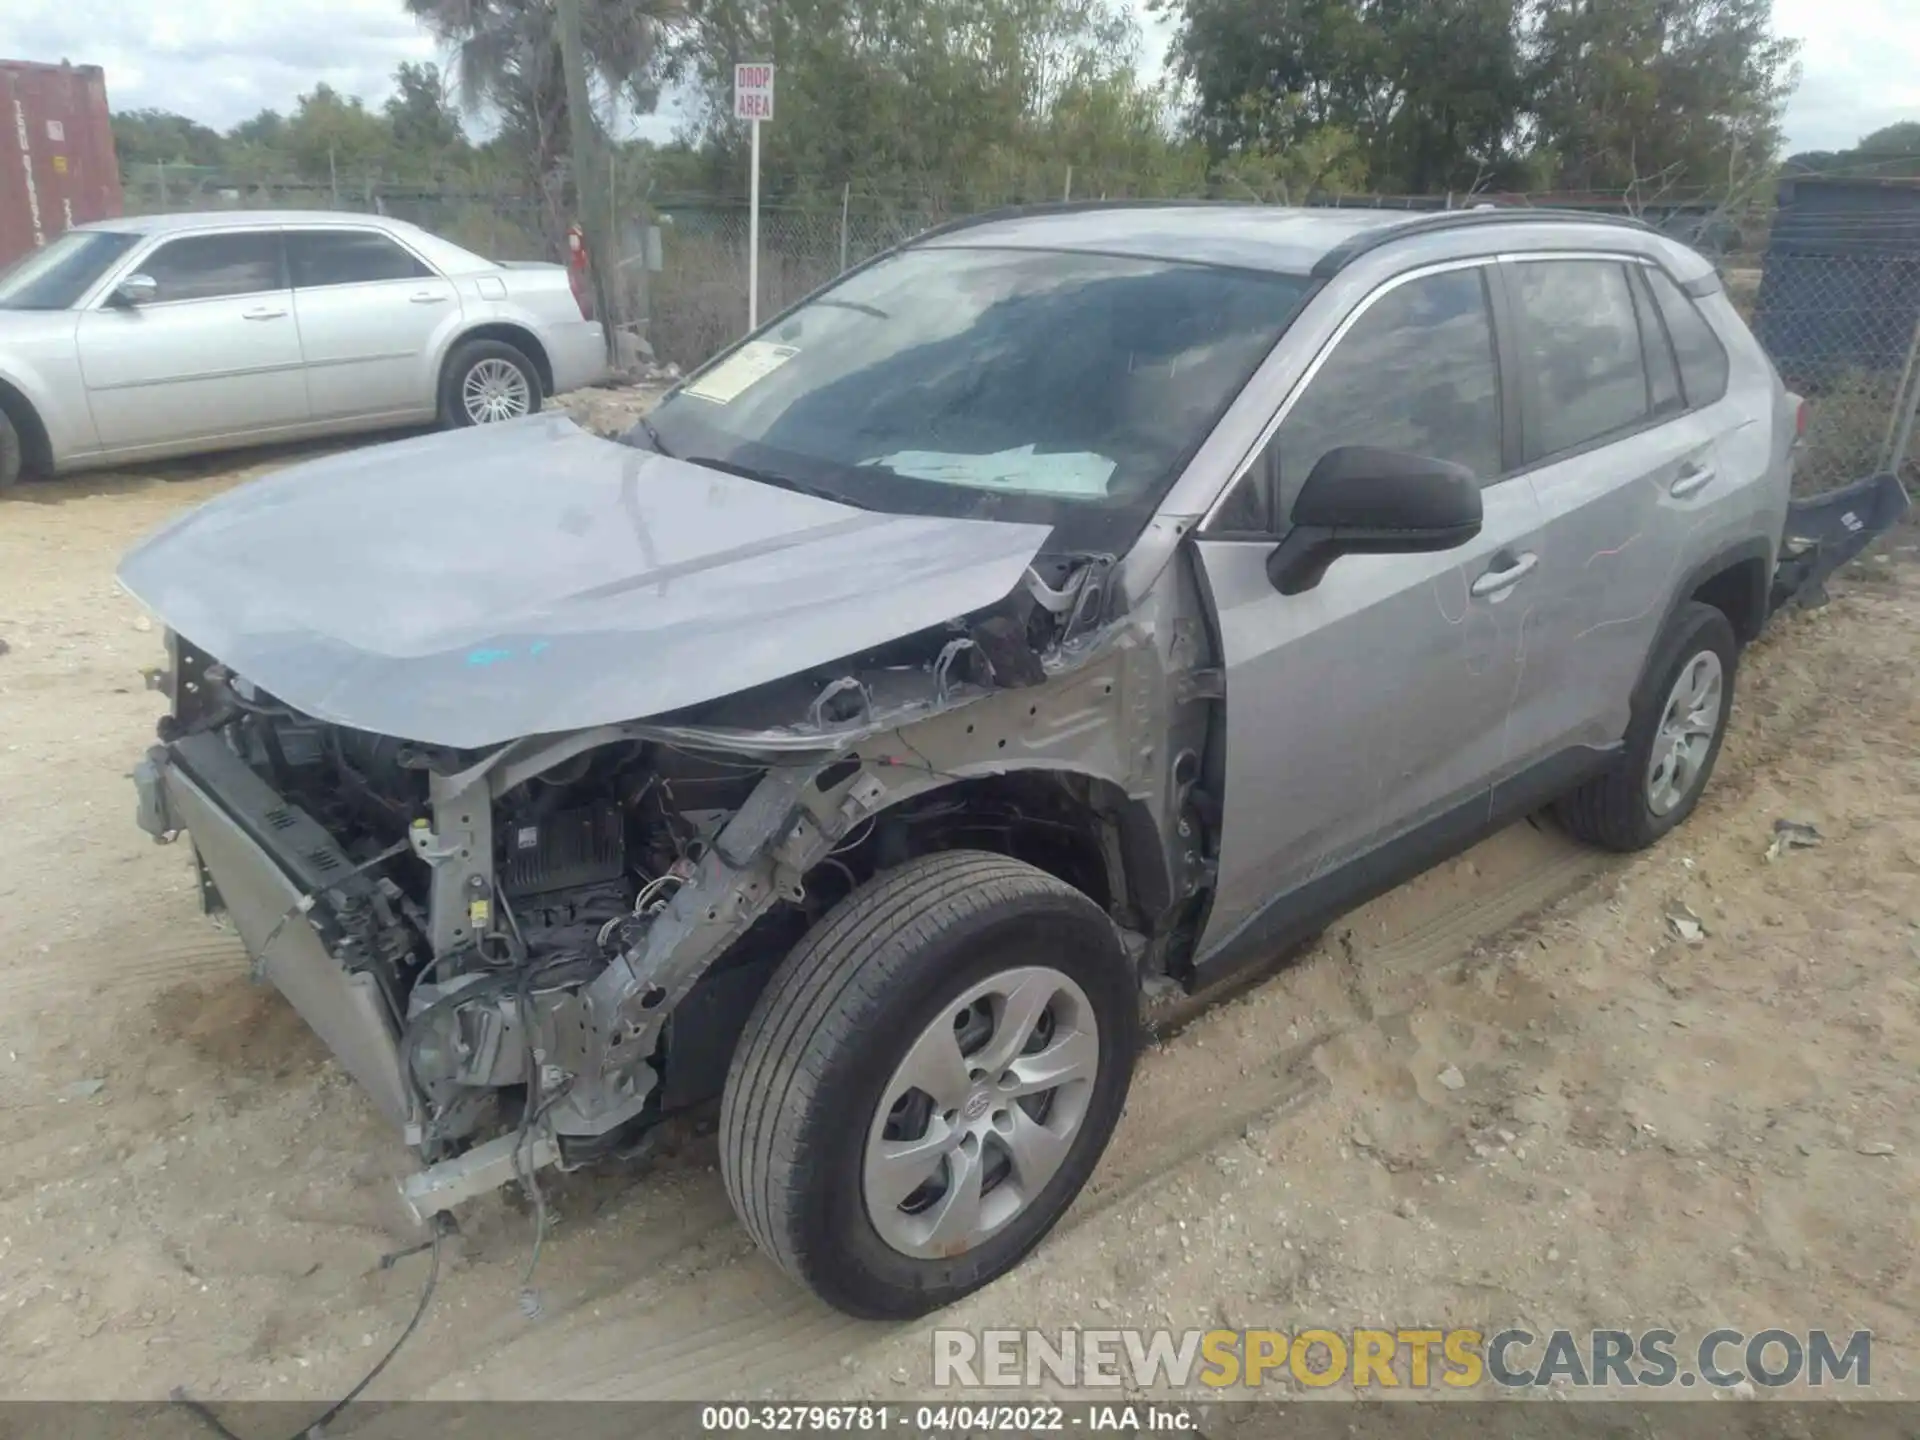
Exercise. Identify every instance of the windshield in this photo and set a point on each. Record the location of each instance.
(1057, 387)
(56, 275)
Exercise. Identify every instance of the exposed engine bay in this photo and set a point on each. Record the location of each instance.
(562, 936)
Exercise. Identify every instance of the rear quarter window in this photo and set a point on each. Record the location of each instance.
(1703, 359)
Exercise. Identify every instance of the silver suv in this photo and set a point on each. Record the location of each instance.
(1066, 607)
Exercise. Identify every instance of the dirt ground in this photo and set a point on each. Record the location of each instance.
(1644, 1130)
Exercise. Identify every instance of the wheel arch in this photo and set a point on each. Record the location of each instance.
(1735, 581)
(506, 332)
(36, 444)
(1081, 828)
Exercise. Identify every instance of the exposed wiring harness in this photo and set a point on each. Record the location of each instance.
(442, 1225)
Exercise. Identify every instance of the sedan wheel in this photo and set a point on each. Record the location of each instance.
(495, 390)
(486, 381)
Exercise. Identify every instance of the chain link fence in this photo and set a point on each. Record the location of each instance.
(1834, 298)
(1843, 331)
(1842, 328)
(698, 299)
(500, 224)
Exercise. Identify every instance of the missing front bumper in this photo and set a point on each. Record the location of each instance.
(200, 786)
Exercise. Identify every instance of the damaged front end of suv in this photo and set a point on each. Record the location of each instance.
(525, 857)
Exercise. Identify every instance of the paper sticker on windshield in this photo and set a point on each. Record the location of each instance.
(746, 367)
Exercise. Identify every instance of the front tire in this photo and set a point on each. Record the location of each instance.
(927, 1081)
(1673, 739)
(487, 381)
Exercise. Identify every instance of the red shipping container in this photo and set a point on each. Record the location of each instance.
(57, 163)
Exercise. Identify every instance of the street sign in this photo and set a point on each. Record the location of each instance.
(753, 92)
(753, 102)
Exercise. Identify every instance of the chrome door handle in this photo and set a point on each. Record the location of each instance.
(263, 315)
(427, 298)
(1692, 481)
(1497, 582)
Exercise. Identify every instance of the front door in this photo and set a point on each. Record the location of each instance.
(214, 356)
(1373, 706)
(371, 314)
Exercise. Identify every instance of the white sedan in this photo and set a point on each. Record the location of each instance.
(171, 334)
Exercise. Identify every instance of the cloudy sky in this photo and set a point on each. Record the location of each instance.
(221, 61)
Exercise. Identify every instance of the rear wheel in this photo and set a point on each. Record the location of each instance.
(1673, 738)
(12, 452)
(927, 1082)
(488, 381)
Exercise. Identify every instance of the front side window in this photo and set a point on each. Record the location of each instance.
(213, 267)
(348, 257)
(58, 274)
(1051, 386)
(1579, 350)
(1416, 372)
(1703, 360)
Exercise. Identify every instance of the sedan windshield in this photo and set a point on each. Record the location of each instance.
(56, 275)
(1057, 387)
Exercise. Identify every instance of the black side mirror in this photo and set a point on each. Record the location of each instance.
(1359, 500)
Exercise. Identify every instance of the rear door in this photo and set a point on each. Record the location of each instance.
(215, 355)
(371, 316)
(1621, 466)
(1374, 704)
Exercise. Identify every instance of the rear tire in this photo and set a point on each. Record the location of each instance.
(1669, 753)
(12, 452)
(487, 381)
(904, 968)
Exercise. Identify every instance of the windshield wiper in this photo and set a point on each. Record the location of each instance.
(872, 310)
(767, 477)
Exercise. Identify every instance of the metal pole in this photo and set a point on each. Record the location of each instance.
(333, 179)
(600, 256)
(1888, 459)
(753, 236)
(846, 194)
(1897, 453)
(1067, 195)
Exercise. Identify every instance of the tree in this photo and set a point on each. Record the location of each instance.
(1648, 95)
(149, 137)
(1433, 90)
(509, 63)
(423, 123)
(949, 102)
(266, 131)
(331, 136)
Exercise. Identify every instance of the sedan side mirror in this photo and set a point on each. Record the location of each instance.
(1359, 500)
(136, 290)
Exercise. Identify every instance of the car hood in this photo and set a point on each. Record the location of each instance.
(470, 588)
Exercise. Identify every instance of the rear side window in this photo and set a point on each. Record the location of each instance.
(1663, 375)
(1703, 359)
(1417, 372)
(212, 267)
(1579, 351)
(348, 257)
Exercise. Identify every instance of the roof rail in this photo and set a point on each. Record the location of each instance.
(1075, 207)
(1350, 250)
